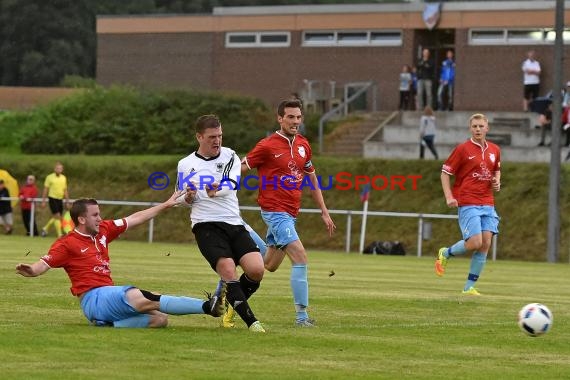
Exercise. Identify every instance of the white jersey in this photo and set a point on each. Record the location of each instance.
(531, 78)
(224, 169)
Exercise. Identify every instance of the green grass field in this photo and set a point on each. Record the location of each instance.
(379, 317)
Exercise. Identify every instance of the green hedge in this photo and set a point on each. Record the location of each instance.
(122, 120)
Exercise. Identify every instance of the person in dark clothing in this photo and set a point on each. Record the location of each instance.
(425, 72)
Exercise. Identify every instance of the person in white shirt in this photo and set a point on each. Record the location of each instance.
(531, 79)
(210, 176)
(427, 132)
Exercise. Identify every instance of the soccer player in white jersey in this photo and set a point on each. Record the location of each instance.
(210, 176)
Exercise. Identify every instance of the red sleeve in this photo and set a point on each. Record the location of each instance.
(114, 228)
(452, 163)
(257, 155)
(58, 255)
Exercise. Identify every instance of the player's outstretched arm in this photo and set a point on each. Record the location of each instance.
(32, 270)
(141, 217)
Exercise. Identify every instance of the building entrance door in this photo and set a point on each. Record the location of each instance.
(438, 41)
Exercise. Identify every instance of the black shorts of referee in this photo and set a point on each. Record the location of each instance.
(56, 206)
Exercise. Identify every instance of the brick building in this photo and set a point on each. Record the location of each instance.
(272, 51)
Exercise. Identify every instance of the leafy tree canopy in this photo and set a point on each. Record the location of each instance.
(42, 42)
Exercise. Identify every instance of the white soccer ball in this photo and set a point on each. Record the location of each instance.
(535, 319)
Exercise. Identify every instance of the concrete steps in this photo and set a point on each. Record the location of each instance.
(347, 139)
(412, 151)
(514, 132)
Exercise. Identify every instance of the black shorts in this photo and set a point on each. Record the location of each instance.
(218, 239)
(56, 206)
(531, 91)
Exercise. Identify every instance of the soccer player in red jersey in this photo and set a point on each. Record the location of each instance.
(283, 162)
(476, 165)
(84, 254)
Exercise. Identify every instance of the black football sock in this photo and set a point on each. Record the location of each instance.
(236, 298)
(248, 286)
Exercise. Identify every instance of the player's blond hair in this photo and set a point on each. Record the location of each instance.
(478, 116)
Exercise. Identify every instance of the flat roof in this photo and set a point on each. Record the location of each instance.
(414, 6)
(472, 14)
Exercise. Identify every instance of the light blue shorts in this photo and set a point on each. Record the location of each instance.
(107, 305)
(474, 220)
(280, 228)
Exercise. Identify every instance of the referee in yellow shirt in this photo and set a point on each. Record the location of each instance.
(55, 189)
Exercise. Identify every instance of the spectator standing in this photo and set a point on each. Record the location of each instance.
(27, 193)
(427, 132)
(566, 95)
(5, 209)
(405, 88)
(531, 79)
(425, 72)
(414, 90)
(545, 124)
(446, 82)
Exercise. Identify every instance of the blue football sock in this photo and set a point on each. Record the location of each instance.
(456, 249)
(180, 305)
(477, 263)
(258, 240)
(300, 287)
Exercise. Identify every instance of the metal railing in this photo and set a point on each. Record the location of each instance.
(342, 107)
(349, 214)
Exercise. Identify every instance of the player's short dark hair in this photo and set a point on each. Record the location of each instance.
(79, 208)
(207, 121)
(290, 103)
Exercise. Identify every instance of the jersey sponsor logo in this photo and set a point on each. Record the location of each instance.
(484, 174)
(296, 175)
(84, 249)
(278, 155)
(301, 150)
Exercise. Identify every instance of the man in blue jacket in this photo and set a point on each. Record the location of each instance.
(446, 82)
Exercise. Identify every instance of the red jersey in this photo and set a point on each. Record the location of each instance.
(281, 165)
(474, 167)
(85, 258)
(27, 191)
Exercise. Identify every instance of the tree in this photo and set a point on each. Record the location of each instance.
(43, 41)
